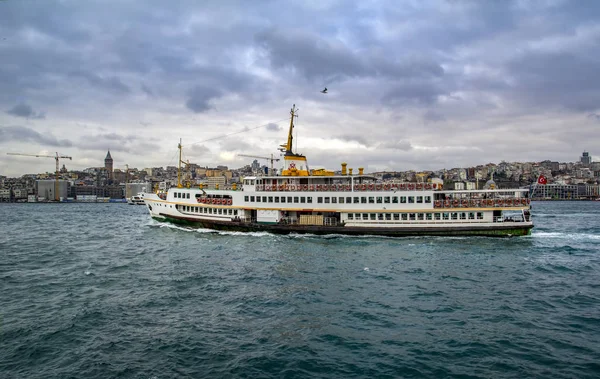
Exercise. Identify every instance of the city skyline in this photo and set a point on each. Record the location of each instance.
(250, 163)
(411, 85)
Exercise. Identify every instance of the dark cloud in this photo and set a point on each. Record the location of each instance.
(433, 116)
(26, 111)
(353, 138)
(131, 144)
(24, 134)
(199, 98)
(558, 79)
(111, 83)
(413, 93)
(147, 90)
(200, 150)
(402, 145)
(308, 53)
(594, 116)
(273, 127)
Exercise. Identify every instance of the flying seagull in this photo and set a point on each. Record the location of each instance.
(324, 91)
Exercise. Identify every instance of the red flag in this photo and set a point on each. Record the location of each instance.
(542, 180)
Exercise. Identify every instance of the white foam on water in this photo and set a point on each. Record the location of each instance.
(232, 233)
(572, 236)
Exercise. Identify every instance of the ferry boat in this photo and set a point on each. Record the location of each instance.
(136, 199)
(301, 200)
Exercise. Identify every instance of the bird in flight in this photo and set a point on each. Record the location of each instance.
(324, 91)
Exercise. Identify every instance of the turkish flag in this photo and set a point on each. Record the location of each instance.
(542, 180)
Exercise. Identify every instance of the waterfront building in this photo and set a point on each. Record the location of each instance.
(113, 192)
(5, 195)
(44, 189)
(213, 181)
(132, 189)
(565, 191)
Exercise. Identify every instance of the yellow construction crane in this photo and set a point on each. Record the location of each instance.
(56, 157)
(257, 157)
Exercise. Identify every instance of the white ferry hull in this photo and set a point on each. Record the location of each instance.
(382, 230)
(238, 215)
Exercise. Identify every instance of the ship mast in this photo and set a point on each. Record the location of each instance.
(179, 166)
(288, 145)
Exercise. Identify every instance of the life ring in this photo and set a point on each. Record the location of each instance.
(478, 203)
(213, 201)
(364, 187)
(378, 187)
(229, 201)
(304, 187)
(473, 203)
(438, 203)
(371, 186)
(281, 187)
(528, 201)
(447, 203)
(312, 188)
(490, 202)
(347, 187)
(411, 186)
(394, 185)
(524, 201)
(419, 186)
(498, 202)
(465, 203)
(428, 186)
(434, 185)
(199, 200)
(455, 202)
(268, 188)
(403, 186)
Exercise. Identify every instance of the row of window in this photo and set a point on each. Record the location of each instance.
(341, 199)
(208, 211)
(415, 216)
(181, 195)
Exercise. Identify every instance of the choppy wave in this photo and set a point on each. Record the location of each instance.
(111, 294)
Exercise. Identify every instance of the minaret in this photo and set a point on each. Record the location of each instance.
(108, 165)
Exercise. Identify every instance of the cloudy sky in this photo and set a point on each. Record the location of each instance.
(411, 84)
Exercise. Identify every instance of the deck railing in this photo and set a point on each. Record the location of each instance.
(482, 203)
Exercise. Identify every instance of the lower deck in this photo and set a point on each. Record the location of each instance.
(487, 221)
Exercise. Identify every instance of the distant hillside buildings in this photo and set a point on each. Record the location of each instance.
(565, 180)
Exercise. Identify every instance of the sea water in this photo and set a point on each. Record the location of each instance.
(103, 291)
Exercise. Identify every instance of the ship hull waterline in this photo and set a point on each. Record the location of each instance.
(504, 230)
